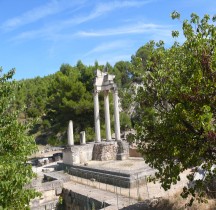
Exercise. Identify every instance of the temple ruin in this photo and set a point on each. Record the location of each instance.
(110, 149)
(104, 83)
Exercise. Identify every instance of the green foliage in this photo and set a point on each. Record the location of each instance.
(33, 112)
(70, 98)
(15, 147)
(54, 141)
(45, 124)
(63, 96)
(125, 121)
(177, 105)
(33, 94)
(139, 61)
(90, 134)
(122, 72)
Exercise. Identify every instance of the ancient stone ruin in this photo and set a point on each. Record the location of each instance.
(111, 149)
(91, 175)
(104, 83)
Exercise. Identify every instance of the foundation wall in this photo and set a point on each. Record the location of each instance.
(75, 201)
(78, 154)
(112, 177)
(105, 151)
(108, 150)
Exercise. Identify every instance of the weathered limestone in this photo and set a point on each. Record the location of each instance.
(82, 138)
(104, 82)
(105, 151)
(107, 115)
(123, 150)
(109, 150)
(116, 115)
(97, 117)
(77, 154)
(70, 134)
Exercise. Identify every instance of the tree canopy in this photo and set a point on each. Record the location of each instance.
(177, 105)
(15, 147)
(70, 98)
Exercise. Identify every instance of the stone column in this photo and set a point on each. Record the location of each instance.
(82, 137)
(107, 115)
(116, 115)
(70, 134)
(97, 117)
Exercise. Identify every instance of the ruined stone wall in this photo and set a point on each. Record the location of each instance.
(75, 201)
(78, 154)
(105, 151)
(108, 150)
(50, 195)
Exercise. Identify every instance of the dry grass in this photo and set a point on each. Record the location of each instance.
(175, 202)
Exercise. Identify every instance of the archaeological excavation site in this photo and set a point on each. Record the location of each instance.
(102, 174)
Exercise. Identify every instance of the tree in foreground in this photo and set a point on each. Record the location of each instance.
(15, 147)
(177, 107)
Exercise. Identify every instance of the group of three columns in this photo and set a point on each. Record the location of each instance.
(107, 115)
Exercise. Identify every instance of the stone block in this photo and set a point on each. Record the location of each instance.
(122, 156)
(78, 154)
(58, 191)
(105, 151)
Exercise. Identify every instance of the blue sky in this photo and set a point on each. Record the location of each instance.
(37, 36)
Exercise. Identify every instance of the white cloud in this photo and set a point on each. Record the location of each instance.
(35, 34)
(109, 46)
(113, 5)
(138, 28)
(103, 8)
(55, 31)
(51, 8)
(111, 58)
(57, 6)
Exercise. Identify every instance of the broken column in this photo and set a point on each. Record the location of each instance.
(70, 134)
(82, 138)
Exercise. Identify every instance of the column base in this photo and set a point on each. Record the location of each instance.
(97, 142)
(123, 150)
(122, 156)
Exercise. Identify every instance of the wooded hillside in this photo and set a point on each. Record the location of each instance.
(55, 99)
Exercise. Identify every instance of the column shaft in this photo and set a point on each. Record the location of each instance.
(82, 138)
(97, 117)
(107, 115)
(116, 115)
(70, 134)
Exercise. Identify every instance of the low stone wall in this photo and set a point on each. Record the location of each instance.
(46, 186)
(78, 154)
(49, 205)
(51, 188)
(107, 150)
(75, 201)
(112, 177)
(50, 195)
